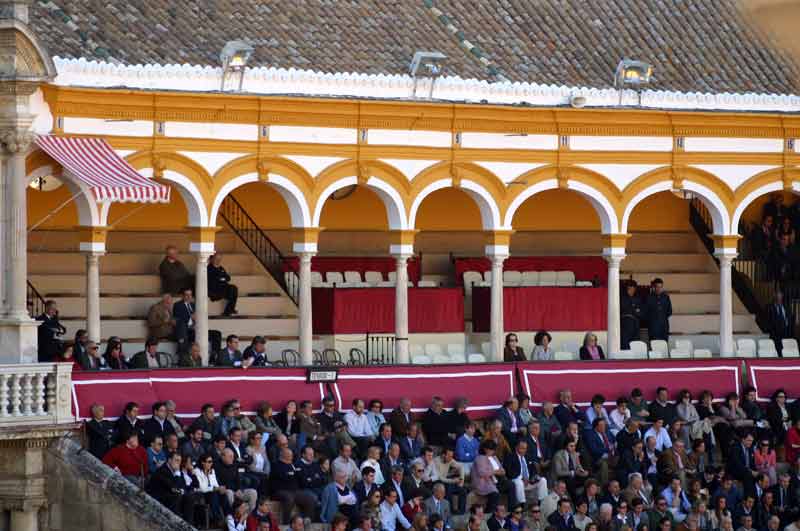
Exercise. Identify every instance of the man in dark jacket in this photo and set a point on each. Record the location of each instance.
(630, 311)
(147, 358)
(285, 486)
(230, 355)
(562, 519)
(128, 423)
(183, 313)
(174, 276)
(229, 476)
(157, 425)
(168, 487)
(49, 332)
(434, 424)
(779, 322)
(100, 432)
(659, 309)
(220, 287)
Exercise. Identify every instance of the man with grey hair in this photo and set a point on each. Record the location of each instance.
(173, 419)
(637, 489)
(401, 418)
(228, 476)
(438, 504)
(434, 424)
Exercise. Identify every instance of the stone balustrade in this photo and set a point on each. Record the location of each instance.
(35, 393)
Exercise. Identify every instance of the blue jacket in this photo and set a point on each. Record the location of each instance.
(594, 443)
(466, 450)
(329, 503)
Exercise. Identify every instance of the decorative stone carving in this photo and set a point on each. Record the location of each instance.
(15, 140)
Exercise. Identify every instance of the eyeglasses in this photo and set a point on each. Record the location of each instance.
(535, 511)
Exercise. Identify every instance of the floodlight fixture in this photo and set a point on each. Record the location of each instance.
(632, 74)
(234, 57)
(426, 65)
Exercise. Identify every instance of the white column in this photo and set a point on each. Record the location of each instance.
(726, 346)
(401, 309)
(497, 256)
(201, 303)
(613, 256)
(93, 295)
(305, 328)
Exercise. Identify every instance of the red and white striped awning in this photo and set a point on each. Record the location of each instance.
(110, 177)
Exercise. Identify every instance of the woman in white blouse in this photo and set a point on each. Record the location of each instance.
(259, 467)
(542, 350)
(207, 484)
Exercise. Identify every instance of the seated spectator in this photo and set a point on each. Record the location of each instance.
(311, 477)
(662, 408)
(260, 514)
(129, 459)
(597, 409)
(194, 448)
(242, 420)
(391, 513)
(338, 498)
(782, 261)
(434, 424)
(230, 355)
(778, 415)
(210, 489)
(129, 422)
(523, 477)
(601, 448)
(192, 358)
(384, 439)
(289, 423)
(183, 313)
(551, 426)
(539, 452)
(526, 415)
(364, 488)
(237, 520)
(672, 462)
(437, 504)
(157, 425)
(168, 487)
(49, 333)
(175, 278)
(450, 473)
(375, 416)
(172, 418)
(371, 508)
(207, 422)
(512, 352)
(590, 349)
(401, 418)
(258, 465)
(66, 356)
(488, 475)
(411, 444)
(619, 417)
(220, 287)
(567, 411)
(80, 343)
(627, 437)
(568, 468)
(542, 351)
(227, 472)
(561, 519)
(792, 444)
(658, 432)
(508, 416)
(114, 358)
(156, 455)
(160, 323)
(90, 359)
(391, 460)
(495, 433)
(256, 354)
(218, 446)
(413, 508)
(766, 461)
(467, 447)
(676, 499)
(100, 432)
(581, 515)
(373, 461)
(264, 421)
(147, 358)
(345, 463)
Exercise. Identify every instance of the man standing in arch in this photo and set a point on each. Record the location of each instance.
(659, 309)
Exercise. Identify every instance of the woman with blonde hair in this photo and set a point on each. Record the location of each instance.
(590, 349)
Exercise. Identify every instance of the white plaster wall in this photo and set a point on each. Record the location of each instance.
(730, 145)
(509, 171)
(508, 141)
(733, 174)
(313, 165)
(620, 143)
(99, 126)
(43, 123)
(211, 162)
(620, 174)
(316, 135)
(211, 130)
(383, 137)
(410, 167)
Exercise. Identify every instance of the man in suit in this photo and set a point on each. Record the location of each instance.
(438, 504)
(391, 460)
(183, 313)
(499, 519)
(364, 488)
(539, 452)
(397, 482)
(567, 466)
(175, 278)
(410, 445)
(601, 448)
(401, 418)
(129, 423)
(157, 425)
(49, 333)
(562, 519)
(779, 322)
(147, 358)
(219, 285)
(385, 439)
(508, 415)
(632, 461)
(783, 260)
(658, 310)
(785, 501)
(168, 487)
(741, 462)
(230, 355)
(522, 474)
(762, 239)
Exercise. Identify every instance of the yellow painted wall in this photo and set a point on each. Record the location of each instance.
(663, 211)
(264, 204)
(556, 210)
(449, 209)
(155, 216)
(40, 204)
(361, 210)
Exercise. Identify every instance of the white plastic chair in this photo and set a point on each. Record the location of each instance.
(639, 349)
(659, 345)
(455, 349)
(746, 348)
(564, 356)
(427, 284)
(684, 344)
(766, 349)
(512, 278)
(477, 358)
(470, 278)
(583, 283)
(317, 282)
(334, 277)
(393, 279)
(352, 277)
(625, 355)
(657, 355)
(571, 346)
(433, 350)
(790, 348)
(373, 277)
(421, 360)
(547, 278)
(416, 350)
(701, 353)
(565, 278)
(458, 358)
(487, 275)
(530, 278)
(679, 353)
(486, 349)
(441, 358)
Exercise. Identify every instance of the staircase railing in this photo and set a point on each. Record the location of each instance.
(753, 297)
(265, 251)
(35, 300)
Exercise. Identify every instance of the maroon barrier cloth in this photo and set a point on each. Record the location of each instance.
(545, 308)
(767, 376)
(585, 267)
(362, 264)
(543, 380)
(486, 385)
(362, 310)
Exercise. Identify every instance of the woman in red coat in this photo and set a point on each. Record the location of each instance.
(793, 443)
(129, 459)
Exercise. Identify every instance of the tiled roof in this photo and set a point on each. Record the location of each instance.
(694, 45)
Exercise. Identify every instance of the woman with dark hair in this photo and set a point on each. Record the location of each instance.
(541, 349)
(113, 355)
(778, 416)
(375, 416)
(513, 352)
(289, 423)
(525, 414)
(590, 349)
(264, 421)
(66, 356)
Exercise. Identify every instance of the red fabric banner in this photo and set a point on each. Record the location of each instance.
(584, 267)
(767, 376)
(485, 385)
(612, 379)
(545, 308)
(362, 264)
(362, 310)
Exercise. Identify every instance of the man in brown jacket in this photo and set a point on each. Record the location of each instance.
(174, 276)
(160, 323)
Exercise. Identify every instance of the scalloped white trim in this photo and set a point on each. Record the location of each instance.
(263, 80)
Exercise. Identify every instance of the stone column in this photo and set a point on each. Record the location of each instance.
(93, 295)
(305, 323)
(18, 340)
(613, 256)
(201, 303)
(401, 309)
(496, 321)
(725, 250)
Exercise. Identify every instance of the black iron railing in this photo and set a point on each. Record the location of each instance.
(35, 301)
(380, 349)
(259, 244)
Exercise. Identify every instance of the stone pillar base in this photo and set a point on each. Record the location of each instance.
(19, 342)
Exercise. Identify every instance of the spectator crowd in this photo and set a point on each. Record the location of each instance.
(670, 463)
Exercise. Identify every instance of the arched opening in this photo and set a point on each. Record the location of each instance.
(355, 222)
(267, 208)
(448, 221)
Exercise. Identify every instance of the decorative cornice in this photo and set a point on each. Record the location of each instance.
(16, 140)
(80, 72)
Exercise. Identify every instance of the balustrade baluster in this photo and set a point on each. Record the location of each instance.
(50, 395)
(27, 394)
(16, 394)
(39, 396)
(4, 405)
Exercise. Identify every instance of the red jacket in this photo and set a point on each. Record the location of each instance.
(253, 519)
(131, 462)
(792, 437)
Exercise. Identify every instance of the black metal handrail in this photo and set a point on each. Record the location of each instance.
(380, 349)
(35, 300)
(259, 244)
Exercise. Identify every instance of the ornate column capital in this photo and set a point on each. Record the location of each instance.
(15, 140)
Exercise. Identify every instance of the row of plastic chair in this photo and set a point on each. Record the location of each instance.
(746, 348)
(352, 279)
